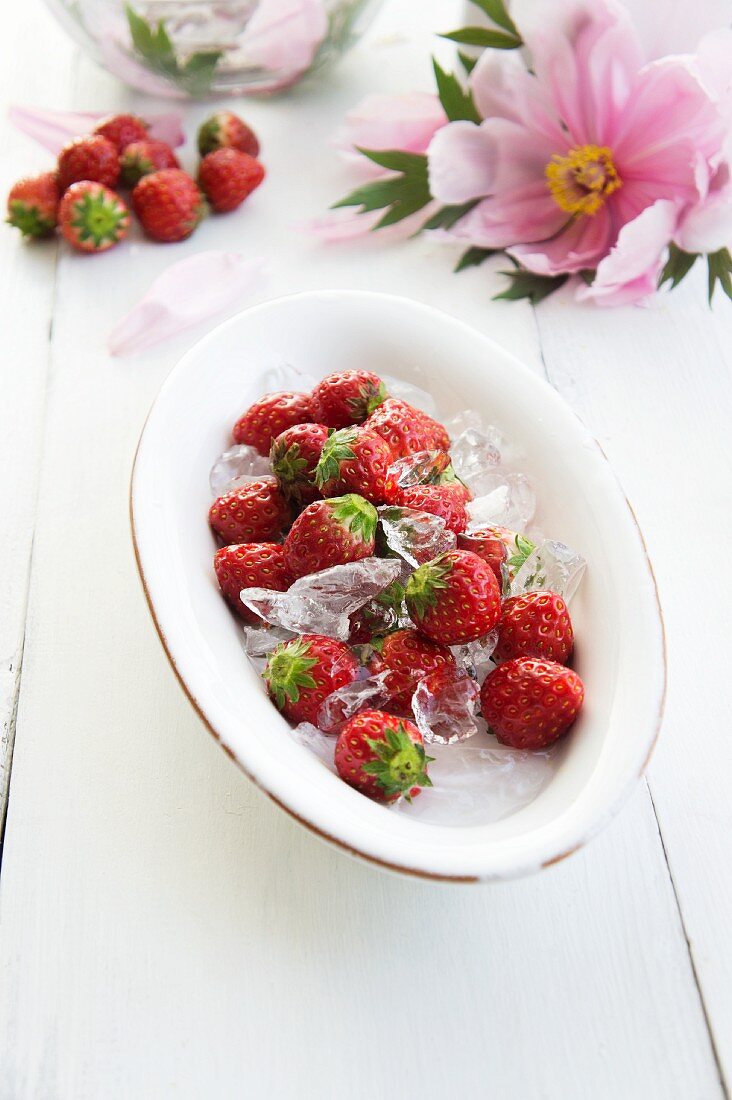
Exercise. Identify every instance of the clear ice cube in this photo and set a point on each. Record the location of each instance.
(551, 565)
(418, 468)
(320, 743)
(413, 395)
(462, 421)
(446, 715)
(321, 603)
(261, 640)
(370, 692)
(475, 657)
(416, 536)
(509, 500)
(235, 467)
(474, 459)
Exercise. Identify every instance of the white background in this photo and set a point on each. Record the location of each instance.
(164, 929)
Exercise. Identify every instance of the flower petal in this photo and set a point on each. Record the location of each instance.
(630, 272)
(52, 129)
(580, 245)
(707, 226)
(462, 158)
(283, 35)
(502, 87)
(667, 26)
(407, 122)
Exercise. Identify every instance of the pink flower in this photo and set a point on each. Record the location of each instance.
(283, 36)
(52, 129)
(407, 122)
(630, 271)
(572, 152)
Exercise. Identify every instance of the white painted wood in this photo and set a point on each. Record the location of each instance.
(164, 930)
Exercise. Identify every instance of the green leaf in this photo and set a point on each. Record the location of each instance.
(196, 75)
(447, 216)
(396, 160)
(525, 284)
(720, 270)
(401, 195)
(456, 100)
(473, 257)
(152, 43)
(496, 10)
(484, 38)
(467, 62)
(678, 265)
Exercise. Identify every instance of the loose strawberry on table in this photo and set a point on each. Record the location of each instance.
(92, 218)
(267, 418)
(407, 656)
(347, 397)
(382, 756)
(122, 130)
(227, 177)
(142, 158)
(302, 673)
(225, 130)
(255, 512)
(88, 158)
(356, 460)
(530, 703)
(536, 624)
(438, 500)
(168, 204)
(455, 598)
(294, 457)
(250, 565)
(331, 532)
(406, 429)
(33, 205)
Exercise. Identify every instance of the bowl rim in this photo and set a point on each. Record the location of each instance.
(519, 869)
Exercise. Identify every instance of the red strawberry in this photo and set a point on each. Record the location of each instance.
(505, 551)
(347, 397)
(529, 704)
(168, 204)
(382, 756)
(226, 130)
(122, 130)
(141, 158)
(251, 565)
(331, 532)
(33, 205)
(536, 624)
(88, 158)
(92, 218)
(408, 657)
(255, 512)
(294, 457)
(454, 598)
(267, 418)
(355, 460)
(407, 430)
(302, 673)
(227, 177)
(438, 500)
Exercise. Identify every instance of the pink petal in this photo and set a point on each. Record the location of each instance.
(284, 35)
(529, 214)
(707, 226)
(186, 293)
(630, 272)
(502, 87)
(407, 122)
(667, 26)
(581, 244)
(341, 225)
(462, 159)
(53, 129)
(713, 64)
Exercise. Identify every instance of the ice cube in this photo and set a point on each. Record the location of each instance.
(444, 708)
(551, 565)
(416, 536)
(261, 640)
(320, 603)
(413, 395)
(509, 500)
(474, 458)
(235, 467)
(321, 744)
(475, 657)
(419, 468)
(370, 692)
(462, 421)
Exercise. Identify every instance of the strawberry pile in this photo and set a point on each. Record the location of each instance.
(445, 631)
(80, 198)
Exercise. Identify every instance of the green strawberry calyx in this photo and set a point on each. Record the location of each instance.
(372, 398)
(289, 466)
(355, 515)
(424, 584)
(288, 671)
(524, 547)
(400, 764)
(337, 448)
(27, 217)
(98, 218)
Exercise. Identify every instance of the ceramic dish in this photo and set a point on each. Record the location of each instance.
(620, 648)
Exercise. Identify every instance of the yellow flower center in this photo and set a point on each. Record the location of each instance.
(581, 181)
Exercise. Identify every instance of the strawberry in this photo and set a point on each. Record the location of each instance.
(331, 532)
(355, 460)
(122, 130)
(141, 158)
(88, 158)
(529, 703)
(455, 598)
(168, 204)
(382, 756)
(407, 657)
(33, 205)
(92, 218)
(302, 673)
(250, 565)
(505, 551)
(267, 418)
(255, 512)
(407, 430)
(438, 500)
(536, 624)
(227, 177)
(347, 397)
(294, 457)
(225, 130)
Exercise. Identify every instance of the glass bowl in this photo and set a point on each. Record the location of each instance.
(196, 48)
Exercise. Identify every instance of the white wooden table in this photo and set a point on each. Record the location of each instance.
(164, 929)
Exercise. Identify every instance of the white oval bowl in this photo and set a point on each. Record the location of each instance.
(620, 651)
